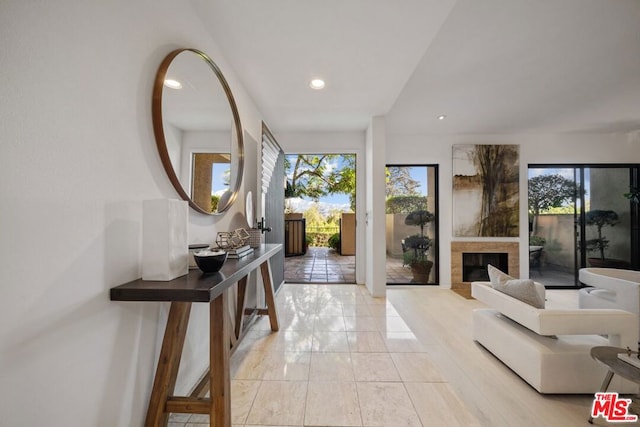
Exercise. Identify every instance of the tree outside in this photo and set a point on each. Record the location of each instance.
(548, 192)
(321, 187)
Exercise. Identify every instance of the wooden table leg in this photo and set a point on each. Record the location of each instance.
(168, 363)
(219, 376)
(265, 270)
(240, 305)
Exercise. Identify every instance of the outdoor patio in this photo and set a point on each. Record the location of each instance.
(325, 265)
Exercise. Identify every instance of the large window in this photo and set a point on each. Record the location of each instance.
(580, 216)
(412, 224)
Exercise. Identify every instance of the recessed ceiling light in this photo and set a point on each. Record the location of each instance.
(317, 84)
(442, 117)
(173, 84)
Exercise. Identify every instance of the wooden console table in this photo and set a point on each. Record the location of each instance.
(212, 289)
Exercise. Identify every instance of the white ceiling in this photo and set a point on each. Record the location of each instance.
(492, 66)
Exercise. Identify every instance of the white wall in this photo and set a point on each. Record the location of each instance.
(376, 278)
(77, 157)
(329, 143)
(561, 148)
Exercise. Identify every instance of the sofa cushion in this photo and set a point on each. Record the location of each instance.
(523, 289)
(497, 276)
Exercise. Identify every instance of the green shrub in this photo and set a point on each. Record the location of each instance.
(334, 241)
(537, 241)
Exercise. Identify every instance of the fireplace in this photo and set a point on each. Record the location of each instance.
(458, 248)
(474, 264)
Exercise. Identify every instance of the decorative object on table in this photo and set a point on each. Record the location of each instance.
(631, 357)
(193, 249)
(240, 252)
(210, 261)
(255, 237)
(486, 191)
(165, 245)
(232, 239)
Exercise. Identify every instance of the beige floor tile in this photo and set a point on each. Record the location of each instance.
(403, 342)
(356, 310)
(290, 366)
(332, 404)
(300, 321)
(279, 403)
(247, 365)
(416, 367)
(361, 323)
(271, 365)
(437, 404)
(374, 367)
(243, 394)
(330, 341)
(329, 323)
(366, 342)
(331, 367)
(332, 309)
(386, 404)
(297, 341)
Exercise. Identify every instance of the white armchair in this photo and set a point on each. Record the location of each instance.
(610, 288)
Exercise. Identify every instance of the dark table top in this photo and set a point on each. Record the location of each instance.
(195, 286)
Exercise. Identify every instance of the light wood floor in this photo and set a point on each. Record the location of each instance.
(343, 358)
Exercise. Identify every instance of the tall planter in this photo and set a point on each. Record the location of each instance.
(421, 271)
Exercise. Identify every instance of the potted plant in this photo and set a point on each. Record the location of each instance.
(601, 218)
(417, 246)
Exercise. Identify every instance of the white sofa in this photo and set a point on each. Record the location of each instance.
(550, 348)
(610, 288)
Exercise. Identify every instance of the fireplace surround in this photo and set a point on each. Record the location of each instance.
(458, 248)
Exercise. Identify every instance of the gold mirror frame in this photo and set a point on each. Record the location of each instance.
(161, 142)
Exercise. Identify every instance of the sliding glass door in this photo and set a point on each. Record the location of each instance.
(412, 224)
(579, 217)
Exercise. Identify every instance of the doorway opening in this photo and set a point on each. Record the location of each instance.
(320, 218)
(580, 216)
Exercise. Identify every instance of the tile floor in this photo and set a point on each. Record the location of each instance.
(341, 358)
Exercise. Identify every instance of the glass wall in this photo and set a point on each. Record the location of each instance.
(412, 224)
(580, 217)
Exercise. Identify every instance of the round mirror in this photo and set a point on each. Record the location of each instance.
(198, 132)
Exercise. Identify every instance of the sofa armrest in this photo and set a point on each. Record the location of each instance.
(621, 326)
(624, 284)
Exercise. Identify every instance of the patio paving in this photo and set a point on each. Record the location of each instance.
(325, 265)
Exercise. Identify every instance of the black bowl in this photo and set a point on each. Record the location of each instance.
(210, 262)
